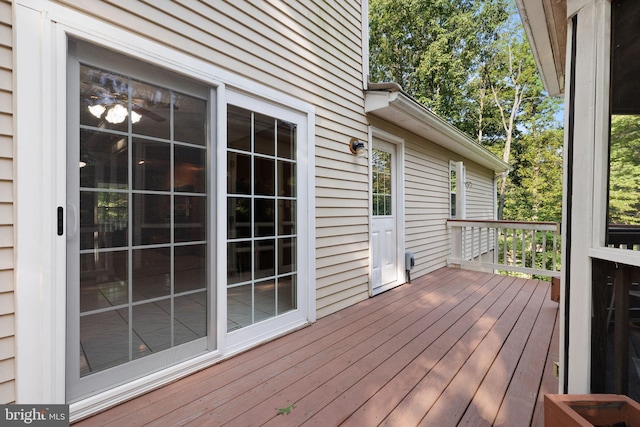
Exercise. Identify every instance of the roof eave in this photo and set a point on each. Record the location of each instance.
(545, 23)
(401, 110)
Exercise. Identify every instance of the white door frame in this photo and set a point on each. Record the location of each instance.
(398, 203)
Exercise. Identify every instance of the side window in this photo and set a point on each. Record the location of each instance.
(457, 190)
(452, 189)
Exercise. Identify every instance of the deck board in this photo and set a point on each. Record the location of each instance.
(454, 347)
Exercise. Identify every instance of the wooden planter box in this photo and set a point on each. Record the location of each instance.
(582, 410)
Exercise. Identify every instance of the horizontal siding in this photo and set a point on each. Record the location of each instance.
(7, 340)
(479, 205)
(426, 204)
(308, 49)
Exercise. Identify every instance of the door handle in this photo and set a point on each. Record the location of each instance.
(60, 220)
(72, 220)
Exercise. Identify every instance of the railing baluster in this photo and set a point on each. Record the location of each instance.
(533, 248)
(496, 245)
(472, 239)
(544, 248)
(555, 251)
(524, 248)
(505, 260)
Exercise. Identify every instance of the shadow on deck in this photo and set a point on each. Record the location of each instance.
(455, 347)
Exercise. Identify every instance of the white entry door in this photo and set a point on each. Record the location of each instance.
(385, 262)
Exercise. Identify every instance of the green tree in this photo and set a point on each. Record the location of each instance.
(535, 190)
(624, 170)
(431, 48)
(517, 92)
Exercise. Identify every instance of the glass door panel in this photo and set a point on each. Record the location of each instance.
(139, 265)
(261, 225)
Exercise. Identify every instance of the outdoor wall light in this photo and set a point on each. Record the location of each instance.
(468, 184)
(357, 147)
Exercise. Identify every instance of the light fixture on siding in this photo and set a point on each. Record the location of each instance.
(468, 184)
(357, 147)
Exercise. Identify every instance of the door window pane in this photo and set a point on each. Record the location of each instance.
(381, 182)
(190, 115)
(151, 165)
(189, 175)
(238, 173)
(151, 219)
(265, 218)
(287, 294)
(286, 179)
(190, 317)
(152, 325)
(286, 217)
(104, 339)
(190, 218)
(105, 280)
(104, 219)
(190, 266)
(239, 306)
(239, 216)
(103, 160)
(265, 300)
(239, 128)
(104, 99)
(264, 134)
(151, 273)
(150, 110)
(265, 176)
(286, 142)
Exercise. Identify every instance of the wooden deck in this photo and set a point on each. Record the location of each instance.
(454, 347)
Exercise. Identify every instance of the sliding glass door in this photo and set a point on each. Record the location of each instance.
(138, 220)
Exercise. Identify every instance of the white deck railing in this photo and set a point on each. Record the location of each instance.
(524, 247)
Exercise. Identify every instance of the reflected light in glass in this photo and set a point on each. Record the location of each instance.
(97, 110)
(135, 117)
(116, 114)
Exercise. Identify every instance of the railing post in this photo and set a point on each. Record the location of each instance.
(456, 247)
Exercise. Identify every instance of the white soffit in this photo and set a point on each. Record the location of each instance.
(401, 110)
(545, 25)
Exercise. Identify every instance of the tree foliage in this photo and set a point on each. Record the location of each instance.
(431, 48)
(624, 170)
(470, 63)
(535, 192)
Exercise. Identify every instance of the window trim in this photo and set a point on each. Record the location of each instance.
(41, 33)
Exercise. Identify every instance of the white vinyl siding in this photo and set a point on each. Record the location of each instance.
(310, 50)
(7, 343)
(481, 199)
(427, 204)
